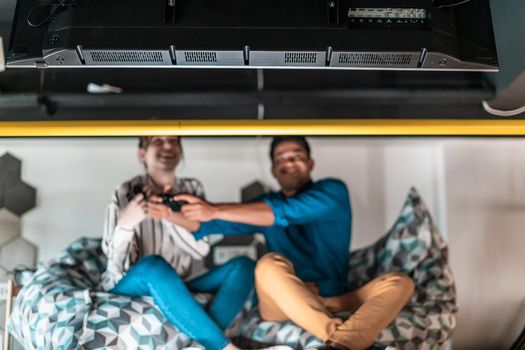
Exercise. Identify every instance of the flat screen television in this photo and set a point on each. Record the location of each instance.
(316, 34)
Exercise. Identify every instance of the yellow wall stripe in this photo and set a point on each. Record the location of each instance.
(239, 127)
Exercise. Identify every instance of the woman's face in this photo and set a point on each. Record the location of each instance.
(161, 153)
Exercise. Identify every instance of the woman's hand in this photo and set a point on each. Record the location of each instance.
(157, 209)
(134, 213)
(197, 209)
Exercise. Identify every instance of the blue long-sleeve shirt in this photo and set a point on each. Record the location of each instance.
(312, 229)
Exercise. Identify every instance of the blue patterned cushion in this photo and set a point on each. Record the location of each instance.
(413, 246)
(61, 307)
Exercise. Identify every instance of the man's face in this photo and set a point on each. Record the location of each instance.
(161, 153)
(291, 166)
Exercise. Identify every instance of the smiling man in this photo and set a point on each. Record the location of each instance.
(303, 278)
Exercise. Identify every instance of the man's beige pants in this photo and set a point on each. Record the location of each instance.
(283, 296)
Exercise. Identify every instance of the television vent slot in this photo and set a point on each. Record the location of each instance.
(300, 57)
(375, 59)
(200, 56)
(126, 56)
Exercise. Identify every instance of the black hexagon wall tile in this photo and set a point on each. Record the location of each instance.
(15, 195)
(10, 170)
(252, 191)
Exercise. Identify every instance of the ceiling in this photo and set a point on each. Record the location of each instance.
(243, 94)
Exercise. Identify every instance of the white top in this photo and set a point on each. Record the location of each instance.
(174, 243)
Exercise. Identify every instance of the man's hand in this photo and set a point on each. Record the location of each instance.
(197, 209)
(134, 213)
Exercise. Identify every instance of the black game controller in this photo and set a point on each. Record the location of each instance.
(167, 199)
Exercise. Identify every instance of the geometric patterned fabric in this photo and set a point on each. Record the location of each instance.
(60, 306)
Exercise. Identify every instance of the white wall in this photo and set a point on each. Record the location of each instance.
(486, 221)
(74, 178)
(474, 188)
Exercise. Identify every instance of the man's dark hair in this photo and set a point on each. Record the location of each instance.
(300, 140)
(145, 140)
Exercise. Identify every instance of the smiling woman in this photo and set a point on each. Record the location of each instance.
(150, 250)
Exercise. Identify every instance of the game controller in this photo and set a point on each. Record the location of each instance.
(167, 199)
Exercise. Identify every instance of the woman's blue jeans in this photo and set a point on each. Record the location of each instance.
(231, 283)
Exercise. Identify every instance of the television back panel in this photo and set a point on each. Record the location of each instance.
(317, 34)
